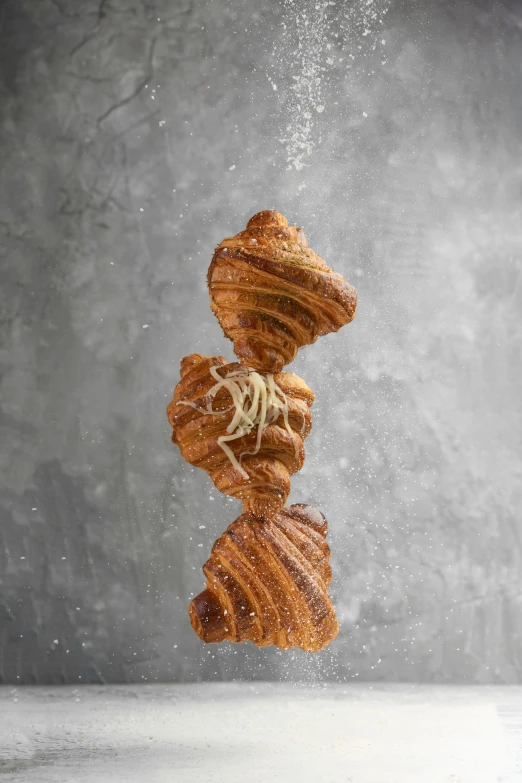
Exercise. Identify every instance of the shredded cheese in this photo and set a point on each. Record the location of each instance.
(258, 401)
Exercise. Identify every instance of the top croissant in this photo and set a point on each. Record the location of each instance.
(272, 294)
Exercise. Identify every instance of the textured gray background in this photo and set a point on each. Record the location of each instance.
(120, 121)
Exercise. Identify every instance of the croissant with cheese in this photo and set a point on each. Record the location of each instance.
(245, 423)
(272, 294)
(246, 430)
(267, 582)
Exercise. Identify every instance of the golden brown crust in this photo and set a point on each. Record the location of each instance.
(267, 582)
(268, 574)
(280, 455)
(272, 294)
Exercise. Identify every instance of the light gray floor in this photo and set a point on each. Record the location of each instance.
(259, 732)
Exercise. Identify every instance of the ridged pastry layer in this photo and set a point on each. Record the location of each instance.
(281, 452)
(267, 583)
(272, 294)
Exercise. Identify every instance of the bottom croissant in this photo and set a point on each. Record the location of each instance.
(267, 581)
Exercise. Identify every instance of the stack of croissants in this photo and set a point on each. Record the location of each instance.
(245, 422)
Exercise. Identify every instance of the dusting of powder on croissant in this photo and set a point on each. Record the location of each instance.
(258, 401)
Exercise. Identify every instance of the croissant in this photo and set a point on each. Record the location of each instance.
(244, 423)
(267, 583)
(246, 462)
(272, 294)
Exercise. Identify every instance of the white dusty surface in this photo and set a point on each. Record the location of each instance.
(260, 732)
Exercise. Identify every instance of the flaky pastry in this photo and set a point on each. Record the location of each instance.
(253, 463)
(245, 423)
(267, 582)
(272, 294)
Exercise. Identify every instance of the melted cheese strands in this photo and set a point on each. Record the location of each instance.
(258, 401)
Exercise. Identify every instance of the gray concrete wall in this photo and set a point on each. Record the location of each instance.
(133, 137)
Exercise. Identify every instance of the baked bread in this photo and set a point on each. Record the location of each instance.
(253, 463)
(245, 422)
(272, 294)
(267, 582)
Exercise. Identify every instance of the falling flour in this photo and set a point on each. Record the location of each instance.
(316, 36)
